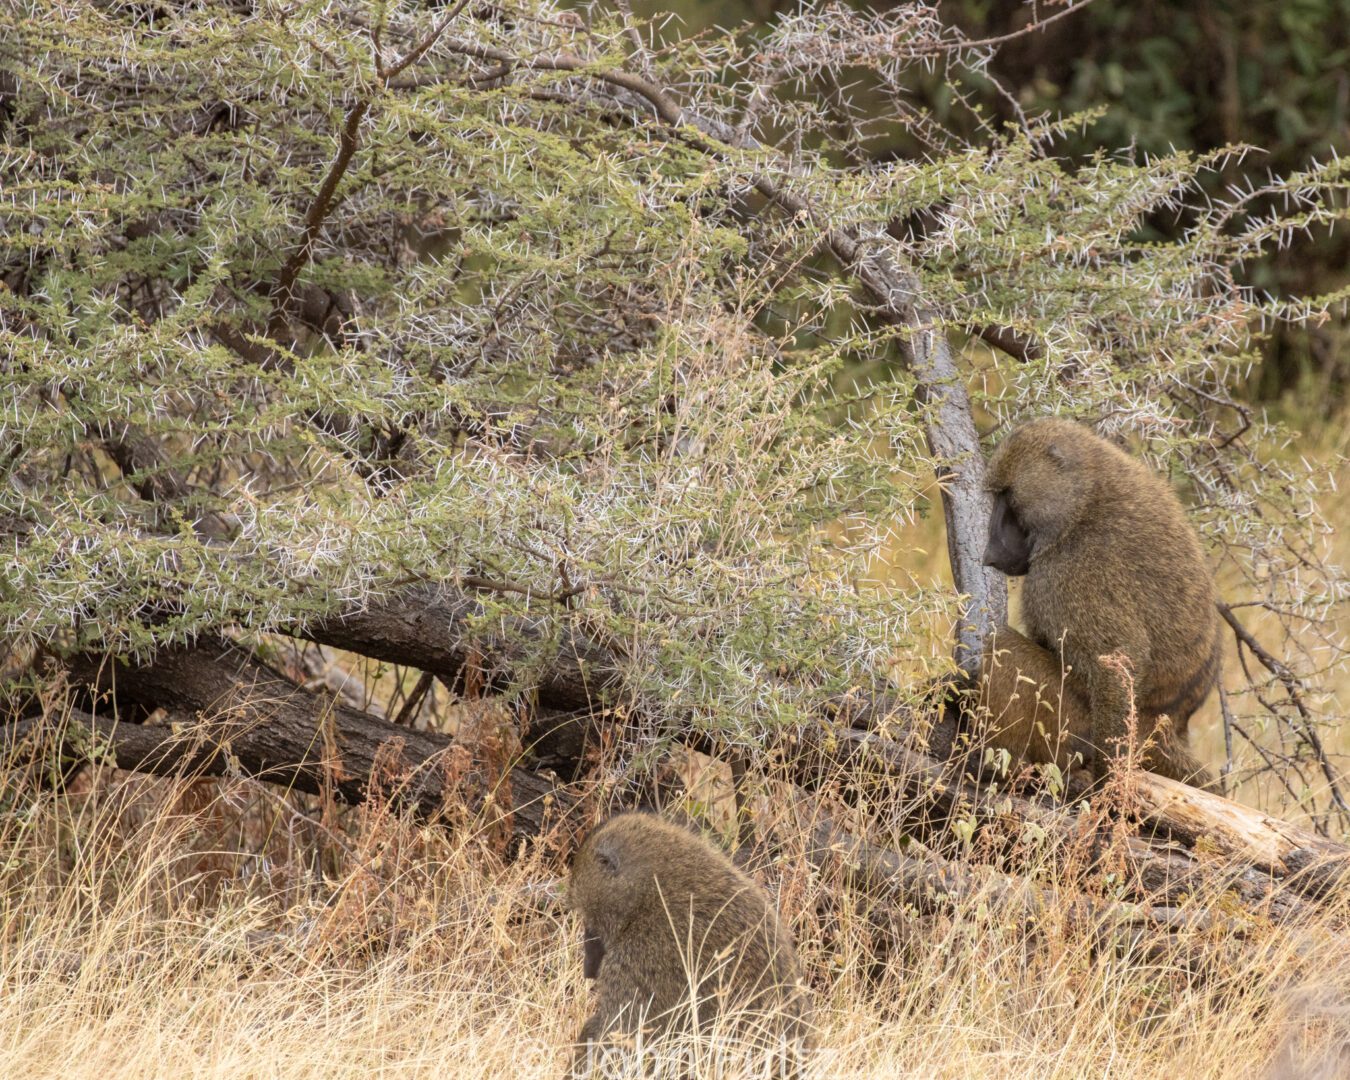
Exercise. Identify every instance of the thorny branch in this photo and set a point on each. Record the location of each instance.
(319, 209)
(948, 420)
(1306, 725)
(950, 430)
(325, 198)
(814, 205)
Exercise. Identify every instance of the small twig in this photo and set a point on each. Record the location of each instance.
(419, 50)
(745, 824)
(408, 712)
(1228, 722)
(319, 208)
(325, 198)
(1307, 727)
(1040, 24)
(1279, 773)
(1009, 341)
(630, 28)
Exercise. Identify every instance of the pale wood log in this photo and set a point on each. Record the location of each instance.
(1310, 863)
(934, 797)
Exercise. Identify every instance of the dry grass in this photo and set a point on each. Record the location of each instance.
(212, 929)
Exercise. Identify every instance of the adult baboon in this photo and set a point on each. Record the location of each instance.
(676, 935)
(1112, 567)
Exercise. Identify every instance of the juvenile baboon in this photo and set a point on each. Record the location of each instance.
(1112, 566)
(1025, 705)
(675, 936)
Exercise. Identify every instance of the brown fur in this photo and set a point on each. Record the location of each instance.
(1025, 706)
(665, 910)
(1112, 566)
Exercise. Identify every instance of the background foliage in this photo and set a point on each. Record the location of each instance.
(1194, 75)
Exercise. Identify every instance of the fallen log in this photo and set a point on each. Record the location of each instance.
(918, 880)
(234, 715)
(1266, 864)
(1312, 864)
(440, 631)
(1186, 935)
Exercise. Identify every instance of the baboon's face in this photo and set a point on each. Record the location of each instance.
(1037, 479)
(603, 887)
(1010, 546)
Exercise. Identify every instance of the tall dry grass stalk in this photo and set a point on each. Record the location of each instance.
(216, 929)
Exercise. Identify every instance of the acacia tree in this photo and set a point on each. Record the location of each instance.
(501, 343)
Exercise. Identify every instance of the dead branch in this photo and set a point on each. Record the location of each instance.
(1176, 854)
(1311, 864)
(1306, 727)
(235, 716)
(434, 630)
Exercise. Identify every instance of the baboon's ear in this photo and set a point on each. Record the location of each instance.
(607, 860)
(1056, 454)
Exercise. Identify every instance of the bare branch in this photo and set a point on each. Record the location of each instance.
(319, 209)
(1307, 726)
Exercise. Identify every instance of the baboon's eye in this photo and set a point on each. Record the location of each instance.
(1005, 496)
